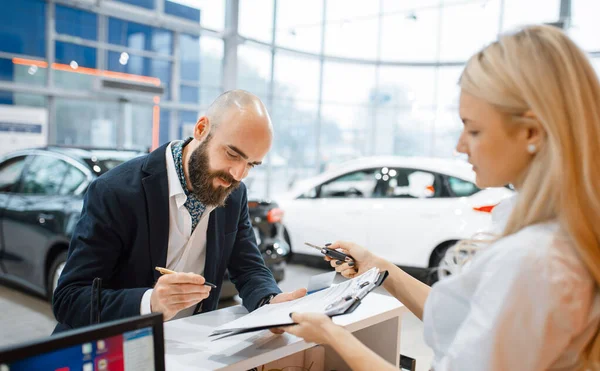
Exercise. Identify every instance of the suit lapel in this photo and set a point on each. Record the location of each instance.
(156, 188)
(214, 236)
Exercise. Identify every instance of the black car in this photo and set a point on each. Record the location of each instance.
(41, 196)
(271, 238)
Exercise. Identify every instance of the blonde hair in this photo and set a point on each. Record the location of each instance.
(539, 69)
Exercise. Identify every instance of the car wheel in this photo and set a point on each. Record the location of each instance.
(55, 271)
(442, 265)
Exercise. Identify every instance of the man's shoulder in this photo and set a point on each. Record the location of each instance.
(125, 172)
(125, 180)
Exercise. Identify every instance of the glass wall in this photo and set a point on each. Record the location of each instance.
(342, 79)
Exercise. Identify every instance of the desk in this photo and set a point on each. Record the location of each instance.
(376, 323)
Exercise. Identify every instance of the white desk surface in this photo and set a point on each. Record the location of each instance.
(188, 347)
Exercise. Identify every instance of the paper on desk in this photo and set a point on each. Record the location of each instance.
(279, 314)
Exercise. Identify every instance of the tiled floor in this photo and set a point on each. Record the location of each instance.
(25, 317)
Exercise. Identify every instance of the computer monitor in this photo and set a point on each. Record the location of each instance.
(135, 343)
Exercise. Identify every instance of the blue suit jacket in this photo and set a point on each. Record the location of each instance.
(123, 234)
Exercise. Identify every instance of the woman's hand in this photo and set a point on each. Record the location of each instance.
(312, 327)
(362, 259)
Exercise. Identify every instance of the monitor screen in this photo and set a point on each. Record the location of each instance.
(125, 351)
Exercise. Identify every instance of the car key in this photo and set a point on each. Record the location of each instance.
(333, 254)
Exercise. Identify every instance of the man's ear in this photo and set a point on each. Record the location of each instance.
(202, 128)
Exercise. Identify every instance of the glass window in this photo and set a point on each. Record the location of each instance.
(22, 73)
(459, 41)
(254, 69)
(296, 77)
(148, 4)
(448, 91)
(189, 94)
(345, 133)
(10, 172)
(138, 131)
(76, 22)
(358, 184)
(209, 13)
(99, 128)
(139, 37)
(405, 183)
(199, 95)
(187, 121)
(462, 188)
(294, 152)
(518, 13)
(403, 132)
(142, 66)
(75, 55)
(256, 19)
(407, 87)
(348, 83)
(189, 47)
(352, 29)
(164, 133)
(447, 130)
(73, 179)
(23, 27)
(44, 175)
(299, 24)
(585, 27)
(22, 99)
(409, 34)
(183, 11)
(73, 80)
(201, 59)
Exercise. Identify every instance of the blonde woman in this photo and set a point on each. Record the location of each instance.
(529, 300)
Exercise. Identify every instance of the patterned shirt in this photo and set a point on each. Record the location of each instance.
(192, 204)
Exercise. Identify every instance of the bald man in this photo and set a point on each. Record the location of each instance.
(182, 207)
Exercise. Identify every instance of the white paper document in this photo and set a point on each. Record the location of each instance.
(332, 301)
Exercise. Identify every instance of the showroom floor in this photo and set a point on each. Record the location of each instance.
(26, 317)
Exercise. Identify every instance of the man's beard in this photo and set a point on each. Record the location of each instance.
(202, 178)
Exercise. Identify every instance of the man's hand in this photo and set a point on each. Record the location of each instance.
(286, 296)
(175, 292)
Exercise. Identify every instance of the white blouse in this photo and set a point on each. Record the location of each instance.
(526, 302)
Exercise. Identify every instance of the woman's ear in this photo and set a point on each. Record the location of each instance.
(535, 132)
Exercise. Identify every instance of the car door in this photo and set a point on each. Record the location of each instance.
(10, 173)
(33, 218)
(334, 210)
(409, 216)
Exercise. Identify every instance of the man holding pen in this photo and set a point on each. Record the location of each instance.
(182, 207)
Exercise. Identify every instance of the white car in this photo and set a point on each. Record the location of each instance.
(408, 210)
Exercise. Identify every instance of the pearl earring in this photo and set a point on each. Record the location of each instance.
(531, 148)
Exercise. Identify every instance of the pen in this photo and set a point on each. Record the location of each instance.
(168, 271)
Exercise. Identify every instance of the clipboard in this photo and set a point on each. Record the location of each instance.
(345, 304)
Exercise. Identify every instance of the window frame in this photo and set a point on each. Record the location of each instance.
(451, 192)
(438, 179)
(68, 160)
(16, 186)
(317, 188)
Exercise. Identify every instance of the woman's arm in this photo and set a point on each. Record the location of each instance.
(355, 353)
(318, 328)
(408, 290)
